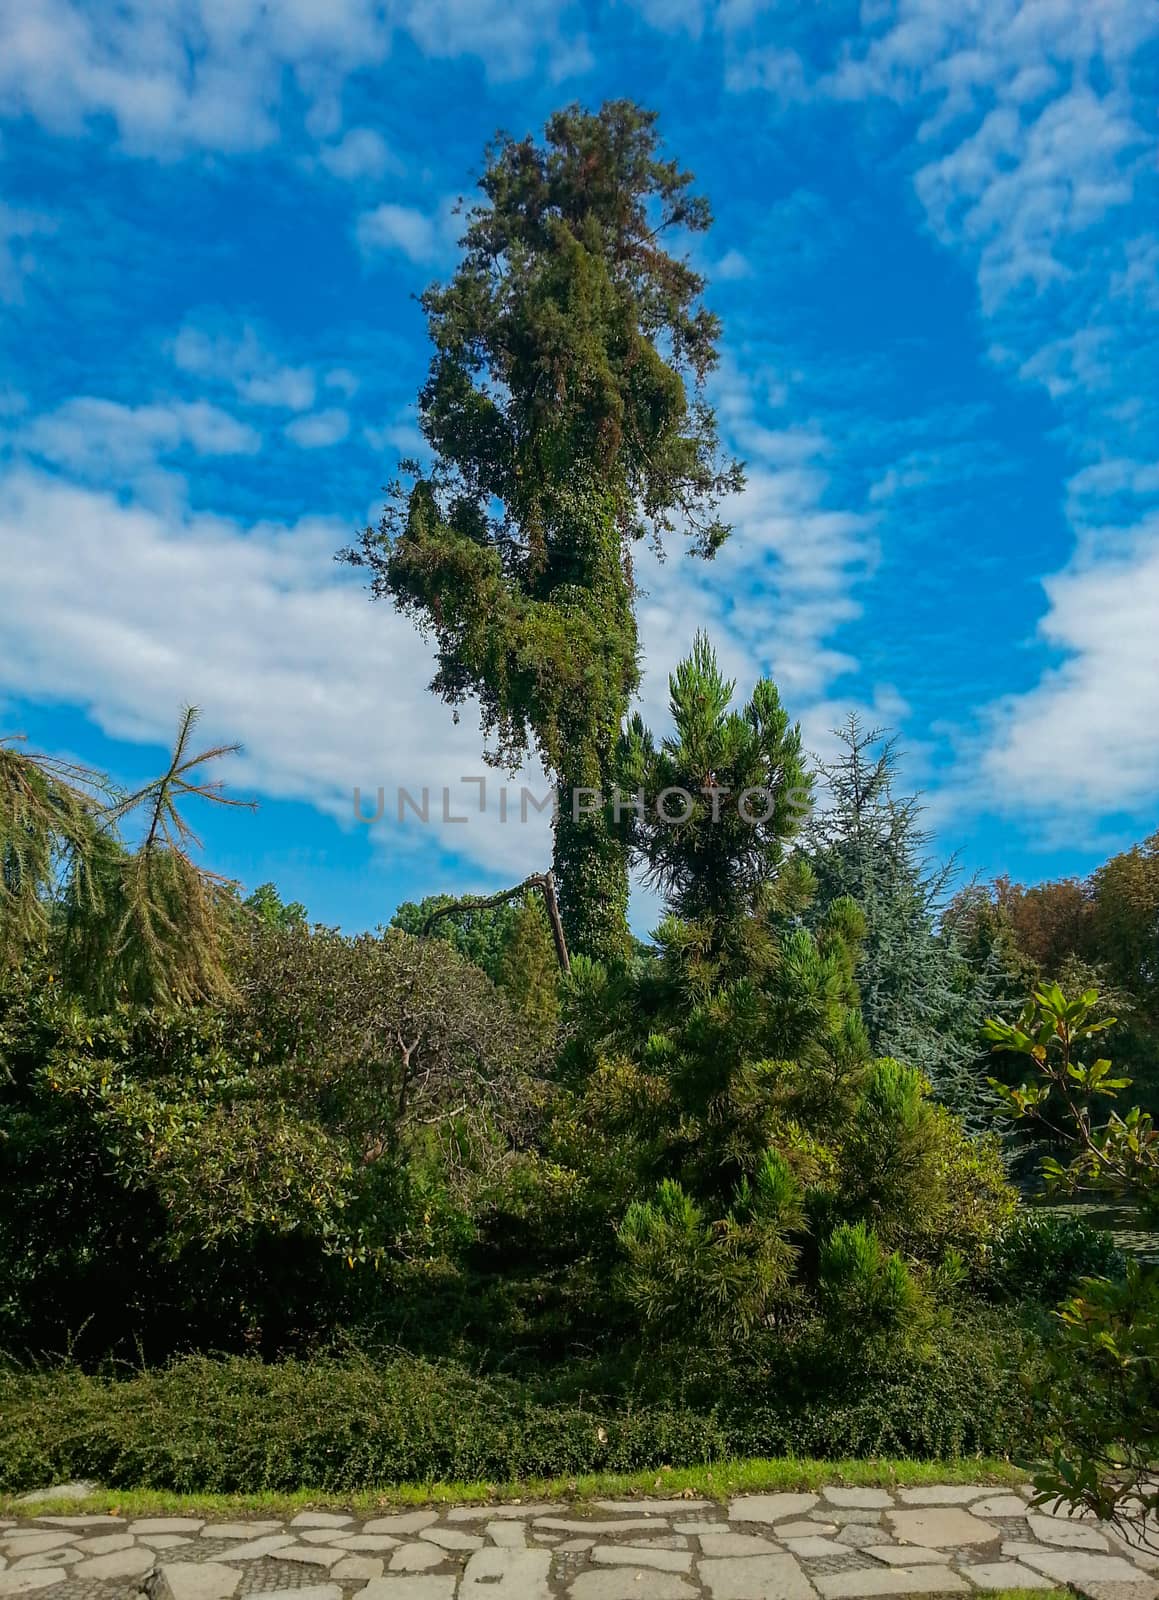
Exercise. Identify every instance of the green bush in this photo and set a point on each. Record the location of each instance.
(199, 1177)
(689, 1278)
(865, 1290)
(1041, 1256)
(236, 1424)
(910, 1169)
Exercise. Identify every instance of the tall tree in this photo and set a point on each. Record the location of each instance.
(565, 413)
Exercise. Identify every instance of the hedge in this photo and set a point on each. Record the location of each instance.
(237, 1425)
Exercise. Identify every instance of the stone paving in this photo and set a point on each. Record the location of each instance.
(838, 1544)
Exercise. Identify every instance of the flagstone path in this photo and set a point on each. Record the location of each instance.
(839, 1544)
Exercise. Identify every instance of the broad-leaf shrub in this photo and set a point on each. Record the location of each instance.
(248, 1172)
(1100, 1450)
(1042, 1256)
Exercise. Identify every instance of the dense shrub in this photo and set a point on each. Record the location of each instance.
(241, 1425)
(865, 1290)
(1042, 1256)
(204, 1177)
(909, 1168)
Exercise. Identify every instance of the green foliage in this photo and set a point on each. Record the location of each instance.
(334, 1117)
(721, 1093)
(510, 942)
(1120, 1156)
(686, 1277)
(334, 1425)
(529, 969)
(667, 1195)
(909, 1168)
(143, 924)
(748, 793)
(1101, 932)
(1041, 1256)
(1100, 1443)
(864, 1290)
(267, 905)
(480, 933)
(565, 412)
(147, 924)
(49, 814)
(1100, 1449)
(923, 996)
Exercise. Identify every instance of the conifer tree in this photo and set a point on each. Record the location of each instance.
(922, 1001)
(144, 922)
(49, 811)
(147, 924)
(738, 791)
(565, 414)
(528, 969)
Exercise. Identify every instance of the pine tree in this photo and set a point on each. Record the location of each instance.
(143, 923)
(738, 791)
(922, 999)
(565, 412)
(49, 825)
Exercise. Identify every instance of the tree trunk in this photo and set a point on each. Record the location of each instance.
(590, 864)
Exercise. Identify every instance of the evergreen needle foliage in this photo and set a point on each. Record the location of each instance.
(922, 1000)
(747, 793)
(48, 828)
(145, 924)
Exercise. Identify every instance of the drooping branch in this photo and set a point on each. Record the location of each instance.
(159, 797)
(544, 882)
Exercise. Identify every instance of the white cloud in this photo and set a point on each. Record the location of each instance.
(99, 437)
(510, 39)
(784, 585)
(172, 76)
(240, 360)
(402, 436)
(18, 228)
(418, 235)
(1015, 191)
(1034, 156)
(1081, 744)
(319, 430)
(1139, 277)
(128, 611)
(779, 72)
(360, 153)
(732, 266)
(342, 379)
(673, 16)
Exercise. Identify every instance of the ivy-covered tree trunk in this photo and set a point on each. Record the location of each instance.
(590, 862)
(565, 415)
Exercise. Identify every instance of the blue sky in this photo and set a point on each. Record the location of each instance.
(936, 257)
